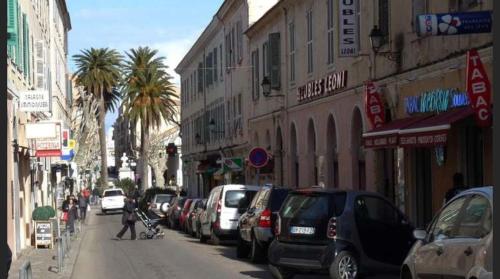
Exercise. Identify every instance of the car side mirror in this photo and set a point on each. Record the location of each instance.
(419, 234)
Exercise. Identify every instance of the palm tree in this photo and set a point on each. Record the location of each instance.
(99, 72)
(148, 96)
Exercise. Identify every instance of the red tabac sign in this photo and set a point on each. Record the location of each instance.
(373, 105)
(479, 89)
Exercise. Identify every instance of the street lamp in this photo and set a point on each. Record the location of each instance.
(266, 86)
(377, 40)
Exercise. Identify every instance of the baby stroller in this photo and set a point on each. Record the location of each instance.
(152, 230)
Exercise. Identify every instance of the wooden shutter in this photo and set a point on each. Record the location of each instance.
(274, 60)
(208, 70)
(40, 65)
(12, 27)
(215, 72)
(200, 77)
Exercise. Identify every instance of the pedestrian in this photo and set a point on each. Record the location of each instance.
(95, 195)
(82, 204)
(458, 186)
(136, 195)
(86, 195)
(65, 205)
(72, 215)
(128, 218)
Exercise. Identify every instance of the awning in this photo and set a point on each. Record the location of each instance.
(387, 135)
(432, 131)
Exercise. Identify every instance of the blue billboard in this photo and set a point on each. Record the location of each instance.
(454, 23)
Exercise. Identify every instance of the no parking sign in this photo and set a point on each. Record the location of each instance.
(258, 157)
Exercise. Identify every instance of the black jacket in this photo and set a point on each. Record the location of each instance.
(129, 210)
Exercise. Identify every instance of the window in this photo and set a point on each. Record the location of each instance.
(476, 220)
(208, 70)
(383, 16)
(309, 24)
(444, 225)
(200, 77)
(291, 30)
(233, 54)
(330, 31)
(239, 104)
(419, 7)
(376, 209)
(221, 67)
(255, 75)
(462, 5)
(265, 64)
(303, 206)
(261, 202)
(228, 50)
(215, 72)
(239, 41)
(238, 198)
(274, 60)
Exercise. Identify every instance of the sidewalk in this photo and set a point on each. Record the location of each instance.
(44, 261)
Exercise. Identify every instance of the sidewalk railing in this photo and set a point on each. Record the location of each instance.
(64, 246)
(25, 271)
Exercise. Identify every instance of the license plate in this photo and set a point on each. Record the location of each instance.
(302, 230)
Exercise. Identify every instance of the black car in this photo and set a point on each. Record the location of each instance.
(174, 212)
(344, 233)
(255, 225)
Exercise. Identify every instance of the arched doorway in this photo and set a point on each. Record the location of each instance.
(278, 155)
(294, 158)
(357, 151)
(331, 145)
(311, 154)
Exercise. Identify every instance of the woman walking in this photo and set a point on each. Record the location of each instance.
(128, 218)
(72, 215)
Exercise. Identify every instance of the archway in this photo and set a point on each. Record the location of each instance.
(331, 145)
(294, 158)
(311, 153)
(357, 151)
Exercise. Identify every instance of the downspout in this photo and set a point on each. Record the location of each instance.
(15, 200)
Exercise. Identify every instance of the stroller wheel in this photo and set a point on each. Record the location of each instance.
(142, 235)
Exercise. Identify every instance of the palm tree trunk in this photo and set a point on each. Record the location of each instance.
(144, 155)
(102, 140)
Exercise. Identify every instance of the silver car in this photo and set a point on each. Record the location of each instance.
(458, 242)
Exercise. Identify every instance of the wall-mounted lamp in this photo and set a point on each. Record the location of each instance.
(266, 88)
(377, 40)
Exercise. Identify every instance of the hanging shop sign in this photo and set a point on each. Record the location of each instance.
(349, 28)
(258, 157)
(433, 138)
(373, 105)
(233, 164)
(321, 87)
(454, 23)
(34, 101)
(479, 89)
(49, 147)
(436, 100)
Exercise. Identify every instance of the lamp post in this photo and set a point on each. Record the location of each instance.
(377, 40)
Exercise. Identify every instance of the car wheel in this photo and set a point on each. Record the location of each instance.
(406, 274)
(257, 252)
(103, 212)
(242, 249)
(213, 238)
(345, 266)
(281, 272)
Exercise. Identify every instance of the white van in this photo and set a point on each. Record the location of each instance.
(224, 207)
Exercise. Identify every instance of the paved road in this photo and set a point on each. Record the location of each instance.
(176, 256)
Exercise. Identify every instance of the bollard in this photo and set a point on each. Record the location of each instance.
(60, 254)
(25, 270)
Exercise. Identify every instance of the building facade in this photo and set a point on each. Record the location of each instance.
(36, 31)
(214, 85)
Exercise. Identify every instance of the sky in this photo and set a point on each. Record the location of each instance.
(170, 26)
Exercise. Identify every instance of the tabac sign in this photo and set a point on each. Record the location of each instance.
(479, 89)
(321, 87)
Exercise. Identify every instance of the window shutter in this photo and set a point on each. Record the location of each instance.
(208, 70)
(40, 65)
(274, 60)
(12, 28)
(383, 14)
(200, 77)
(24, 67)
(215, 72)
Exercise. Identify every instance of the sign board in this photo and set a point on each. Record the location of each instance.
(373, 105)
(43, 233)
(49, 147)
(479, 89)
(41, 130)
(34, 101)
(258, 157)
(454, 23)
(233, 164)
(436, 100)
(349, 28)
(325, 86)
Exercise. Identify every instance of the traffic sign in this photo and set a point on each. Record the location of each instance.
(258, 157)
(233, 164)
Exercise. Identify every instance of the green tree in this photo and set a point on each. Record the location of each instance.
(148, 97)
(99, 72)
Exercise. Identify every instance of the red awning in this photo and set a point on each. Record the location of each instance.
(432, 131)
(387, 135)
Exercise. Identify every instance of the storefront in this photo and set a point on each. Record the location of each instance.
(435, 134)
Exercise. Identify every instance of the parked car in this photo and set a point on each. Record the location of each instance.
(196, 224)
(160, 204)
(458, 242)
(347, 234)
(188, 227)
(184, 214)
(255, 225)
(221, 215)
(112, 199)
(174, 212)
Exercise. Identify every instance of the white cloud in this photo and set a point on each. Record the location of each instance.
(174, 51)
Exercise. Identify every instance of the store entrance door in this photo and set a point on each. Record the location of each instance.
(423, 186)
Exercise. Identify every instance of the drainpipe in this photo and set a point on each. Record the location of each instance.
(15, 200)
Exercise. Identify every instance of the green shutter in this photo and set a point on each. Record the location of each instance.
(25, 46)
(11, 27)
(19, 56)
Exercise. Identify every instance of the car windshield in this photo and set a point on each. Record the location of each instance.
(313, 206)
(163, 198)
(113, 193)
(277, 198)
(239, 198)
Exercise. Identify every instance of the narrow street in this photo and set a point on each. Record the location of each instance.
(175, 256)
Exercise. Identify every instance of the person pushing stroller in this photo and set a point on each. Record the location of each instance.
(128, 218)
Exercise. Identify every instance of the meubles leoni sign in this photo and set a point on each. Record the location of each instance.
(34, 101)
(349, 29)
(324, 86)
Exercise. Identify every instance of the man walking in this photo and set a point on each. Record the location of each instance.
(82, 204)
(128, 218)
